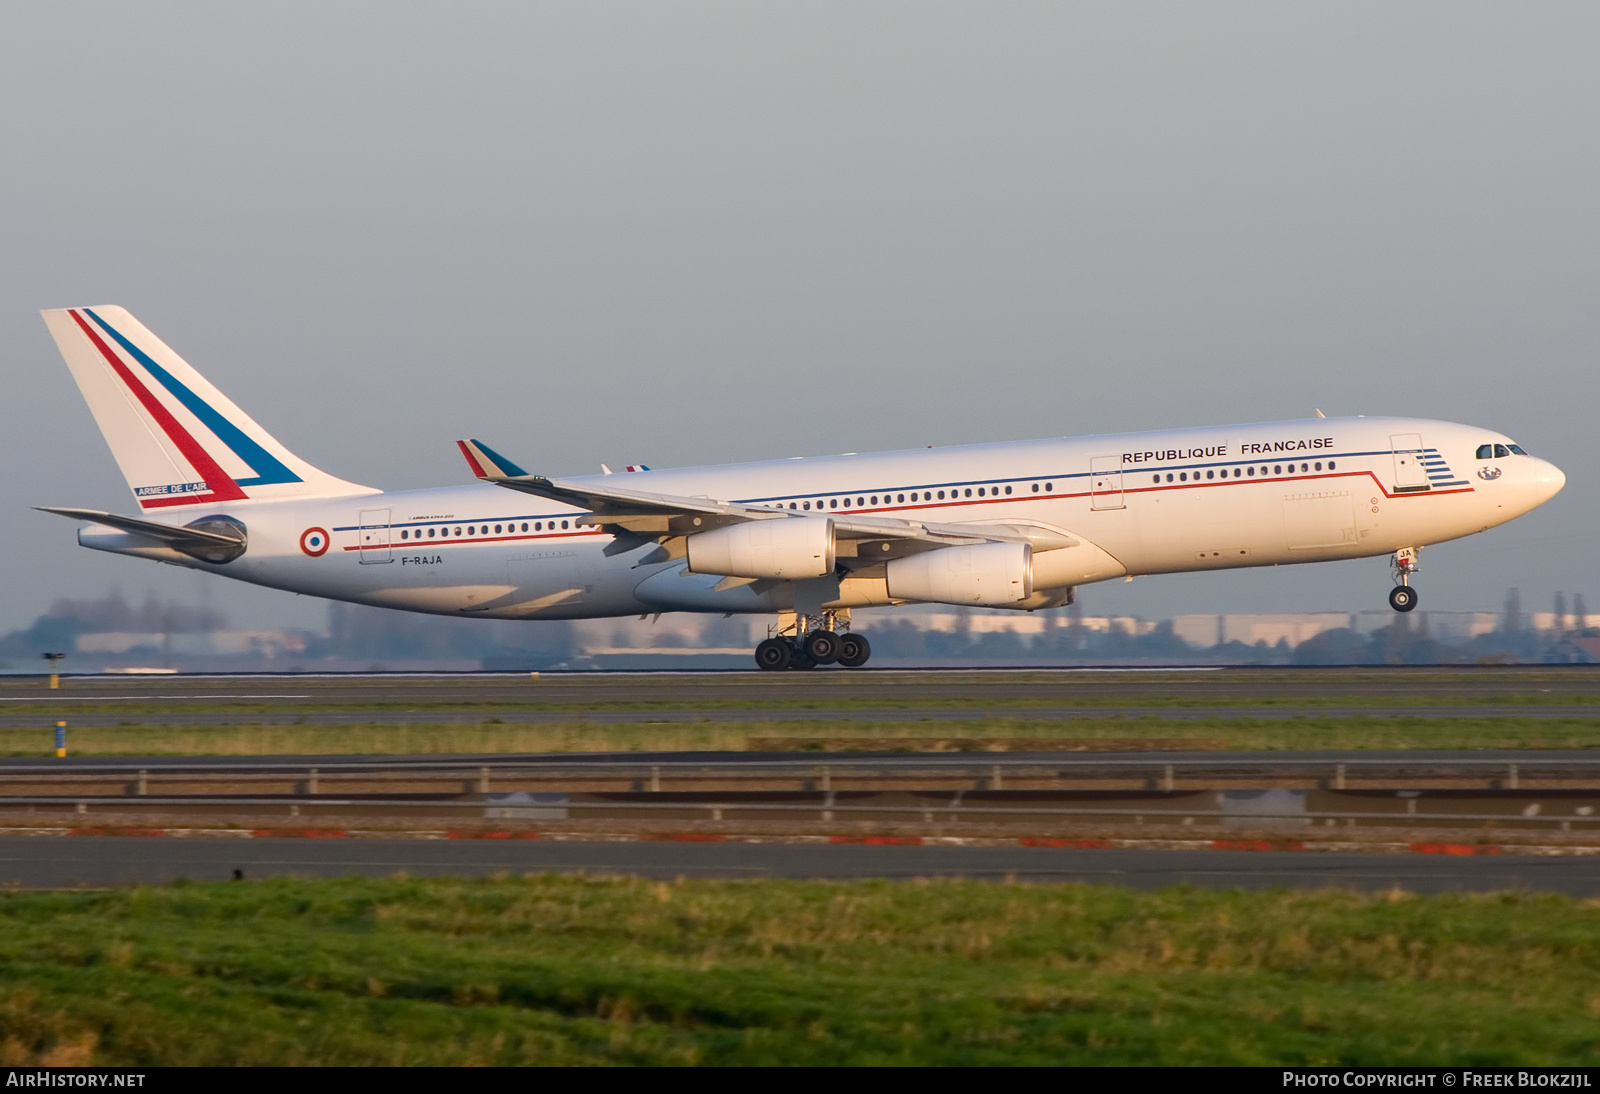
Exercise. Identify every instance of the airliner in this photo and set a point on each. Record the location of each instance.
(1016, 524)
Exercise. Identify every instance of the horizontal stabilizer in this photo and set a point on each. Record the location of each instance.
(214, 541)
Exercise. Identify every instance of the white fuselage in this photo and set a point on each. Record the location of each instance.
(1138, 503)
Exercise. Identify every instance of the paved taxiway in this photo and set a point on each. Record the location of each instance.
(1447, 685)
(65, 862)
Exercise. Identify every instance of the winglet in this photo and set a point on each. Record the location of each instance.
(486, 463)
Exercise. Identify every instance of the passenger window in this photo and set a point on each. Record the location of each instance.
(1169, 476)
(847, 503)
(900, 497)
(861, 501)
(1277, 469)
(524, 526)
(1486, 452)
(1155, 478)
(1035, 488)
(430, 533)
(1501, 451)
(1304, 468)
(563, 524)
(833, 503)
(874, 499)
(1049, 486)
(1183, 476)
(808, 505)
(1330, 465)
(1211, 474)
(1251, 472)
(941, 495)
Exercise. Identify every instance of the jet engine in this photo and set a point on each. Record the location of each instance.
(998, 574)
(786, 547)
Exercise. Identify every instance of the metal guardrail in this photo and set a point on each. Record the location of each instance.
(1159, 770)
(830, 809)
(955, 763)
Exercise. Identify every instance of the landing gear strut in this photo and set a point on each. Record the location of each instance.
(1402, 598)
(802, 642)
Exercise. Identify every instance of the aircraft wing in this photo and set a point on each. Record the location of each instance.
(648, 515)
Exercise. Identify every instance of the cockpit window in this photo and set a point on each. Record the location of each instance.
(1486, 452)
(1501, 451)
(1517, 448)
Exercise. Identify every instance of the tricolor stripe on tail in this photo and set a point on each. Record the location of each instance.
(178, 440)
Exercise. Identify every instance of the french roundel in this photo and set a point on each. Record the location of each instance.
(314, 542)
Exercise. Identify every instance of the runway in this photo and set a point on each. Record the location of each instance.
(934, 696)
(1056, 688)
(45, 862)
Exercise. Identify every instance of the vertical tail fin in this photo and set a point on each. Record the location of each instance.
(178, 440)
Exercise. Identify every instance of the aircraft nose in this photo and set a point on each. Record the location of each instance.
(1548, 479)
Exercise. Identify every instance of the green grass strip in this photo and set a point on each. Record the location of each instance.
(494, 736)
(550, 970)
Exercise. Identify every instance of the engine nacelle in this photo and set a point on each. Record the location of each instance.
(998, 574)
(786, 547)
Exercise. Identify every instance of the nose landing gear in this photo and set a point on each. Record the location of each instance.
(799, 645)
(1402, 598)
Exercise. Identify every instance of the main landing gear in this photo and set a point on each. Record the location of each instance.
(807, 647)
(1402, 598)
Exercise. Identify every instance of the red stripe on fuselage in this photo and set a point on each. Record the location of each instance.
(223, 488)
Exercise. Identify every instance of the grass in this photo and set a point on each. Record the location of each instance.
(492, 736)
(574, 970)
(1021, 704)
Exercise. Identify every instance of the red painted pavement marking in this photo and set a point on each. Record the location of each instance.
(1257, 845)
(879, 841)
(1046, 841)
(1453, 849)
(491, 835)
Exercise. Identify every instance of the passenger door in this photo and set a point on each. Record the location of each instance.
(372, 535)
(1409, 473)
(1105, 482)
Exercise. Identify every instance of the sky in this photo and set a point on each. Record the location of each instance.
(692, 233)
